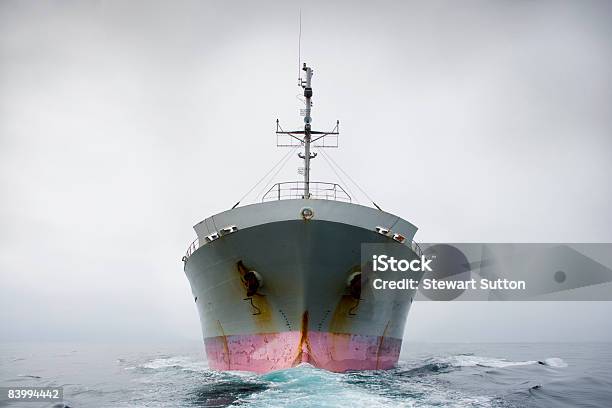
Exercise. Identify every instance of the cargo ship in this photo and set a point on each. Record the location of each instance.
(281, 282)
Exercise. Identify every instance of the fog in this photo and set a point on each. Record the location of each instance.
(123, 124)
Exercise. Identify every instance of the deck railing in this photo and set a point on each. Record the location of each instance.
(291, 190)
(417, 248)
(192, 248)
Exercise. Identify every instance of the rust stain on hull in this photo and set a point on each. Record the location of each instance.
(346, 308)
(263, 319)
(380, 344)
(304, 356)
(226, 351)
(258, 303)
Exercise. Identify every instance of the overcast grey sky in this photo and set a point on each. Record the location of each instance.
(123, 124)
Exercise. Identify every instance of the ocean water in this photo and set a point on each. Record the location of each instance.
(429, 375)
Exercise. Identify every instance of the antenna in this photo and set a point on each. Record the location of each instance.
(300, 52)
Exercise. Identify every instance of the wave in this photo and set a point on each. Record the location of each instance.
(433, 365)
(421, 383)
(184, 363)
(554, 362)
(470, 360)
(462, 360)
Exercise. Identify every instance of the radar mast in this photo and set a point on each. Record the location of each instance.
(307, 137)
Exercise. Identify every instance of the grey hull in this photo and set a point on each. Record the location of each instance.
(304, 309)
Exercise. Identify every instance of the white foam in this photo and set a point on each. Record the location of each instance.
(473, 361)
(555, 362)
(182, 363)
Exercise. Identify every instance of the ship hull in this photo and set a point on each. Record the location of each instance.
(304, 309)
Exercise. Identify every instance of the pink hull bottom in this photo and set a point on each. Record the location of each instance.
(337, 352)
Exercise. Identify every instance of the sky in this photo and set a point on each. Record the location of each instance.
(123, 124)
